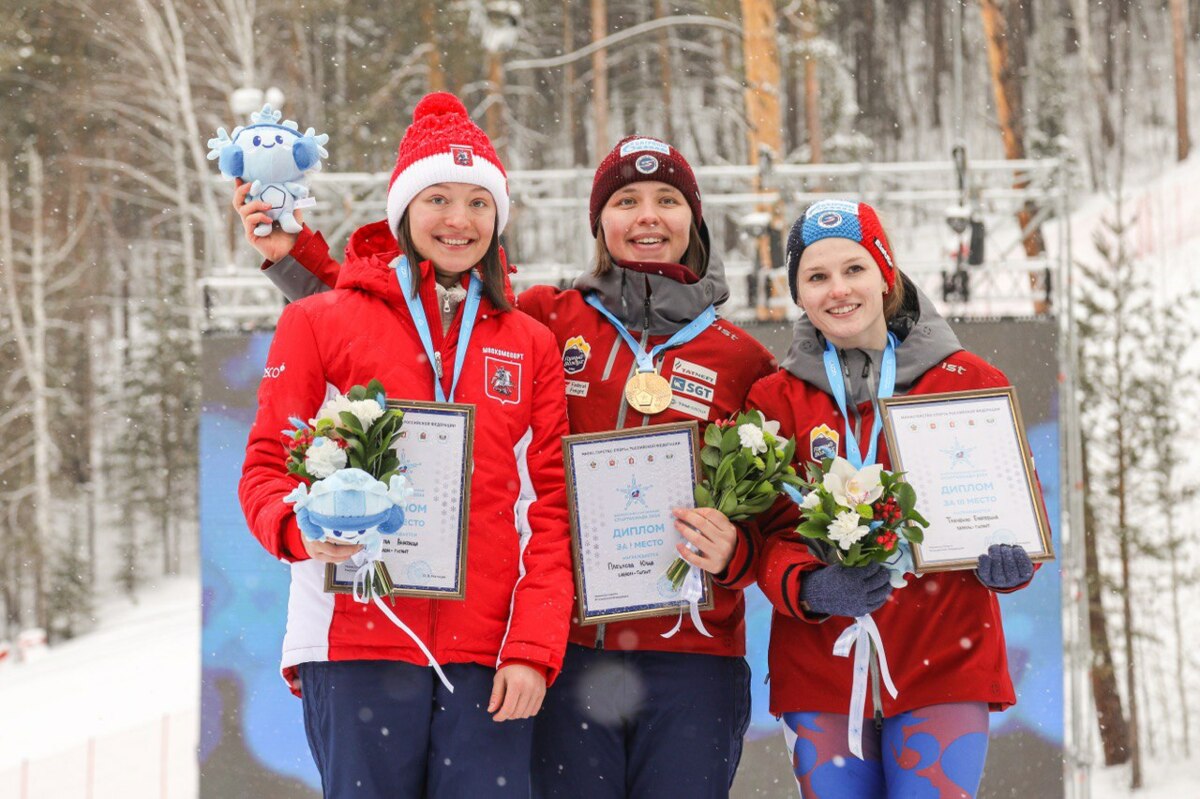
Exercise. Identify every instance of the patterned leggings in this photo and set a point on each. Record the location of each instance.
(934, 752)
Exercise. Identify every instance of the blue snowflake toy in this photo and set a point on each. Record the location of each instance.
(351, 507)
(275, 160)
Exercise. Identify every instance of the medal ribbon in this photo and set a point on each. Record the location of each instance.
(417, 311)
(645, 361)
(862, 636)
(887, 384)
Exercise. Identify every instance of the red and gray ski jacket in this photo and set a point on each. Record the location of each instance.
(942, 633)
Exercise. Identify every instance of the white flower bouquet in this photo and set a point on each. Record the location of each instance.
(745, 463)
(865, 515)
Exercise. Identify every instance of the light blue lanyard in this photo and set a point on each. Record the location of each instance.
(417, 311)
(645, 361)
(887, 385)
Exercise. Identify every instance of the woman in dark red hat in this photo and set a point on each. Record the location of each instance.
(868, 333)
(634, 713)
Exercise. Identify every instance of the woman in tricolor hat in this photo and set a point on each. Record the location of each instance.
(868, 333)
(422, 304)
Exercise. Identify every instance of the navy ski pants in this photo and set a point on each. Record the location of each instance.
(641, 724)
(382, 728)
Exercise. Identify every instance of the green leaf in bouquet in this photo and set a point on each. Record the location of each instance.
(766, 489)
(789, 451)
(710, 457)
(770, 460)
(712, 436)
(740, 467)
(818, 516)
(813, 529)
(914, 516)
(864, 510)
(829, 505)
(724, 477)
(730, 443)
(906, 497)
(854, 555)
(914, 534)
(357, 393)
(814, 473)
(351, 422)
(792, 480)
(727, 503)
(375, 388)
(703, 497)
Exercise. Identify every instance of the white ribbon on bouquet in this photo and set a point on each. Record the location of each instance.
(364, 592)
(860, 636)
(691, 592)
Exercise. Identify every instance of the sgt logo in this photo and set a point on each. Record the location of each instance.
(575, 355)
(463, 154)
(274, 371)
(690, 388)
(823, 443)
(503, 379)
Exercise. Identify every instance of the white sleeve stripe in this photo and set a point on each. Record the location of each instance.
(526, 497)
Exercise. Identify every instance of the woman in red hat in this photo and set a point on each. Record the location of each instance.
(634, 713)
(869, 333)
(426, 288)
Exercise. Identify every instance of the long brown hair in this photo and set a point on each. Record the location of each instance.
(491, 268)
(695, 257)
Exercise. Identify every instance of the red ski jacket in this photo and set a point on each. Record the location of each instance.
(942, 633)
(518, 584)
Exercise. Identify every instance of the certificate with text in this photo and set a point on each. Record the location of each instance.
(428, 555)
(966, 455)
(621, 487)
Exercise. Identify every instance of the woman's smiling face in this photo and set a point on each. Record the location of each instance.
(646, 221)
(841, 289)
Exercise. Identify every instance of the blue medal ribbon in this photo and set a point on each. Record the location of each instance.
(417, 310)
(645, 360)
(837, 384)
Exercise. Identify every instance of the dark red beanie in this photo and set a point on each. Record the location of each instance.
(637, 158)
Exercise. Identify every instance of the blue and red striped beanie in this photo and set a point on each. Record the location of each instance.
(840, 219)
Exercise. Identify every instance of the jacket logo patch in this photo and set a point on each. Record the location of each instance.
(823, 443)
(689, 406)
(575, 355)
(691, 388)
(693, 370)
(503, 380)
(274, 371)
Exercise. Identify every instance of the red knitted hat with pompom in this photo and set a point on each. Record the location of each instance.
(443, 145)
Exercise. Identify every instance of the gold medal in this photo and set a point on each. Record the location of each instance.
(648, 393)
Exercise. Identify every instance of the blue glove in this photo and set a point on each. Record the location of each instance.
(838, 590)
(1004, 566)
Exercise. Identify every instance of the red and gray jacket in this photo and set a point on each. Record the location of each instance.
(709, 377)
(942, 632)
(518, 584)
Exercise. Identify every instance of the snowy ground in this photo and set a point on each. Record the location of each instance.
(113, 713)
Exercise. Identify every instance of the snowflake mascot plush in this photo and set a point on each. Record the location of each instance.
(275, 160)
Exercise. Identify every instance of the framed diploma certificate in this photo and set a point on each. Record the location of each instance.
(966, 455)
(621, 487)
(428, 555)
